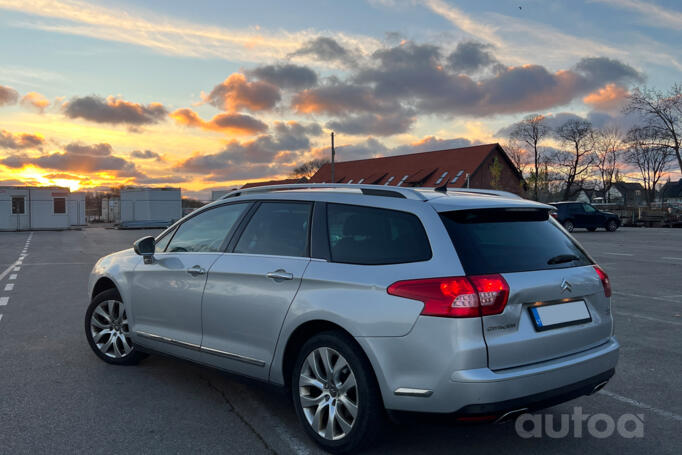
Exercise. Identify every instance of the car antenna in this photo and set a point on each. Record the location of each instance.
(443, 188)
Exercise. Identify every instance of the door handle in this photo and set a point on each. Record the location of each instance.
(280, 274)
(196, 270)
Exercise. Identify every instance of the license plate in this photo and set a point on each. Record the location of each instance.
(559, 315)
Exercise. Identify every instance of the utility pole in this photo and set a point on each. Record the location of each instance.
(333, 153)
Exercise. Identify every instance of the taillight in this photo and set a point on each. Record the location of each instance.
(604, 280)
(456, 297)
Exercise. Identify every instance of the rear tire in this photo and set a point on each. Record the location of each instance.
(569, 226)
(333, 378)
(611, 225)
(107, 331)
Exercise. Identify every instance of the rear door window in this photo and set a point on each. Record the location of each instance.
(277, 228)
(373, 236)
(510, 240)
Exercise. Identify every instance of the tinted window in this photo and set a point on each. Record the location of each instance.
(59, 205)
(277, 228)
(206, 231)
(575, 209)
(367, 235)
(507, 240)
(18, 205)
(588, 208)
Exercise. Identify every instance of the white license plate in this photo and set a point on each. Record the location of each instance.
(560, 315)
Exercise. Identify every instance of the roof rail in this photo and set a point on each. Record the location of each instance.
(485, 191)
(373, 190)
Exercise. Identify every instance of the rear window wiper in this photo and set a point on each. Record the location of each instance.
(560, 259)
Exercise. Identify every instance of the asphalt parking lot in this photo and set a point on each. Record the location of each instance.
(57, 397)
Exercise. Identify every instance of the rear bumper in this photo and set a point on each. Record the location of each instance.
(462, 384)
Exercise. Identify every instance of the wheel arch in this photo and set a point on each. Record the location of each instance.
(304, 332)
(102, 284)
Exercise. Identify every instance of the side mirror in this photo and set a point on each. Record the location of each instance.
(145, 248)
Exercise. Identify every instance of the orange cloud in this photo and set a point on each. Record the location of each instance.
(36, 101)
(236, 93)
(608, 98)
(234, 124)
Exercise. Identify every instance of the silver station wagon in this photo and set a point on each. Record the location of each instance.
(364, 299)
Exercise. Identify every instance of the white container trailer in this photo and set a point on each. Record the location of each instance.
(28, 208)
(77, 209)
(150, 207)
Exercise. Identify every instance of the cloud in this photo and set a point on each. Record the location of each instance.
(78, 158)
(373, 148)
(20, 141)
(336, 97)
(375, 124)
(286, 76)
(35, 101)
(166, 179)
(650, 13)
(602, 69)
(236, 93)
(167, 35)
(8, 96)
(470, 57)
(114, 111)
(146, 155)
(234, 124)
(611, 98)
(327, 50)
(253, 158)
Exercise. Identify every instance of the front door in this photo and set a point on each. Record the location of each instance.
(250, 289)
(166, 294)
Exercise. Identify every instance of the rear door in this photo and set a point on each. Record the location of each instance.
(250, 288)
(557, 304)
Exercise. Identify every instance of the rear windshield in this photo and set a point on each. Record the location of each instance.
(510, 240)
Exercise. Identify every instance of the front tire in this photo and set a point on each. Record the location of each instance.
(107, 330)
(569, 226)
(611, 225)
(335, 393)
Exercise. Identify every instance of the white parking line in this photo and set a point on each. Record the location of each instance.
(13, 276)
(639, 404)
(16, 269)
(4, 301)
(9, 287)
(671, 258)
(620, 254)
(648, 318)
(629, 294)
(7, 270)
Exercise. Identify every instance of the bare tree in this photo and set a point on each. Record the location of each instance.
(575, 161)
(664, 114)
(517, 154)
(647, 150)
(309, 168)
(532, 130)
(608, 144)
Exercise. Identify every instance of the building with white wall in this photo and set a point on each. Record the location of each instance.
(149, 207)
(24, 208)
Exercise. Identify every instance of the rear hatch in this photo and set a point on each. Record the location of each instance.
(557, 302)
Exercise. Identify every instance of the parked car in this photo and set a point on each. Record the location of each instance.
(582, 215)
(362, 299)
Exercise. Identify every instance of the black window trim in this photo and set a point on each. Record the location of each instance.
(232, 244)
(328, 240)
(223, 246)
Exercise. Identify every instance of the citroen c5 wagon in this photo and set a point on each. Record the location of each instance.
(362, 299)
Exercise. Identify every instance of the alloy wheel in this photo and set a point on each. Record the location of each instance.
(328, 393)
(109, 329)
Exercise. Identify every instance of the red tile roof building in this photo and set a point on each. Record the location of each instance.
(274, 182)
(473, 166)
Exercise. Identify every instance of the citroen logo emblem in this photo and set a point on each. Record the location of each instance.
(566, 286)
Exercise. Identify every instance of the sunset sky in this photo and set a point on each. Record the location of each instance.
(207, 95)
